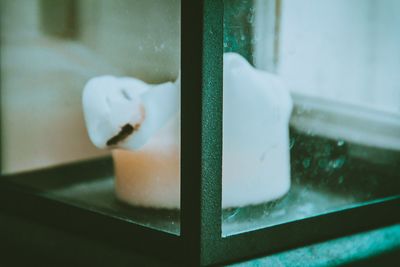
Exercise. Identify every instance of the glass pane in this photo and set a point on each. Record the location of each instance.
(88, 79)
(311, 108)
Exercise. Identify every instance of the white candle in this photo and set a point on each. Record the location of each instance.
(256, 112)
(140, 122)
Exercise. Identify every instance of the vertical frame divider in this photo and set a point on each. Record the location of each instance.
(212, 117)
(201, 129)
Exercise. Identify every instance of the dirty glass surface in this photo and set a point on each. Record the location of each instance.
(338, 60)
(49, 51)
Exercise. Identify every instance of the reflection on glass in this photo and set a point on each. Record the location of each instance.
(49, 52)
(338, 59)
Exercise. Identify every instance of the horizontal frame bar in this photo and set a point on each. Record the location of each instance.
(310, 230)
(30, 203)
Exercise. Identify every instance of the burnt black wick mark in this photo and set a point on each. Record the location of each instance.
(125, 94)
(126, 130)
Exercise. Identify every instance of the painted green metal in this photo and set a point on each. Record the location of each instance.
(378, 247)
(33, 196)
(201, 128)
(191, 93)
(212, 129)
(266, 241)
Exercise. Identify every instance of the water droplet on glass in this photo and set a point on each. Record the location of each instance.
(340, 143)
(339, 162)
(291, 145)
(233, 214)
(310, 133)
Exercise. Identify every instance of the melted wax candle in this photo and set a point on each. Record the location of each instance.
(140, 123)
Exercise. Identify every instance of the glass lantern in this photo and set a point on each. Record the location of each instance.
(342, 146)
(278, 133)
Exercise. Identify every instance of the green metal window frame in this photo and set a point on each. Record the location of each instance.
(200, 241)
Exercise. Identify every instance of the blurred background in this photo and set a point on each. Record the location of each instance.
(51, 48)
(340, 60)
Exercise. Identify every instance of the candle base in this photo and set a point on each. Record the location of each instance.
(256, 153)
(150, 177)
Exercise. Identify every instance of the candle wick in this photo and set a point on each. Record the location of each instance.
(126, 130)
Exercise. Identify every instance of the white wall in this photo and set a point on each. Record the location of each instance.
(342, 50)
(142, 36)
(20, 17)
(386, 81)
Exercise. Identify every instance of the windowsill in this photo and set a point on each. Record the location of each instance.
(343, 121)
